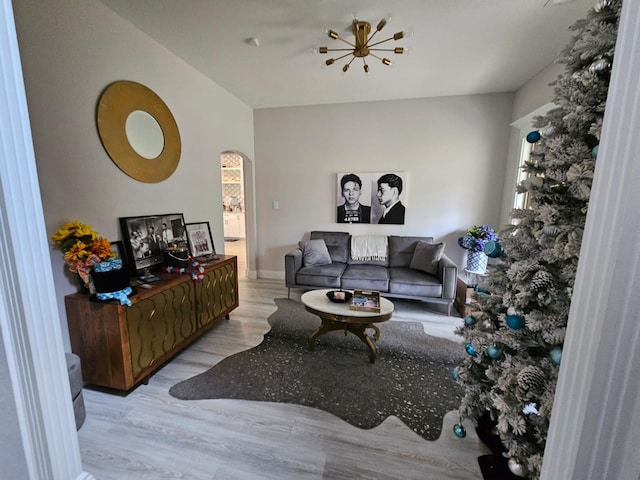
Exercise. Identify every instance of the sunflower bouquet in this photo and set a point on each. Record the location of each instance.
(82, 248)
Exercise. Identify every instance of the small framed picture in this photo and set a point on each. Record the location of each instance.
(117, 247)
(201, 241)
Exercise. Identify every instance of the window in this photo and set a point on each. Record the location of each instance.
(522, 200)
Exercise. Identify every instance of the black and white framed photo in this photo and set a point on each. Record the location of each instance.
(201, 241)
(371, 198)
(145, 237)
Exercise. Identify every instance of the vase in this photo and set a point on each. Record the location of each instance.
(87, 288)
(477, 262)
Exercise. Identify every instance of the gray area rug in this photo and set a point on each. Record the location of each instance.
(410, 379)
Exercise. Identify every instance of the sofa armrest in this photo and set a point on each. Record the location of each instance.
(448, 275)
(292, 263)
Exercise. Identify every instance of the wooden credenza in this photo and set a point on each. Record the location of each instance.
(120, 346)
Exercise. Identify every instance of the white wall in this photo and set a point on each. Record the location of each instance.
(453, 149)
(71, 51)
(536, 92)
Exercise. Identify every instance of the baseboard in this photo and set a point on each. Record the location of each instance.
(271, 274)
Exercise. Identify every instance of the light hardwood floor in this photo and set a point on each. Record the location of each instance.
(148, 434)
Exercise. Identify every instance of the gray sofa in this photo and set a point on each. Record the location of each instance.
(393, 277)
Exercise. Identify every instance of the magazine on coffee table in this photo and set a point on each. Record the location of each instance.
(365, 301)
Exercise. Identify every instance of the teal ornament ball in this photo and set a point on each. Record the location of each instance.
(533, 137)
(494, 352)
(459, 431)
(556, 355)
(515, 322)
(470, 350)
(469, 320)
(493, 249)
(594, 151)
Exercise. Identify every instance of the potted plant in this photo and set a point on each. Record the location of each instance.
(475, 240)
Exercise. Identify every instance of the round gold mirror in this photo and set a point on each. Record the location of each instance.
(138, 131)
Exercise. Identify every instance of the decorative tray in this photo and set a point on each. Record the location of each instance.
(339, 296)
(365, 301)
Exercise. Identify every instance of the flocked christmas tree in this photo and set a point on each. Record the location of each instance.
(514, 342)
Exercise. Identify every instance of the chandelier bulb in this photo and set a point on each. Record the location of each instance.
(332, 34)
(407, 33)
(322, 50)
(329, 61)
(366, 68)
(386, 61)
(345, 68)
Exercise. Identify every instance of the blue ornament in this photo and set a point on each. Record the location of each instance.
(556, 355)
(594, 151)
(469, 320)
(459, 431)
(515, 321)
(454, 374)
(470, 350)
(493, 249)
(494, 352)
(533, 137)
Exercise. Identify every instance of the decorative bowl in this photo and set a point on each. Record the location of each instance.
(331, 295)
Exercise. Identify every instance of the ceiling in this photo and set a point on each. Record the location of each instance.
(460, 47)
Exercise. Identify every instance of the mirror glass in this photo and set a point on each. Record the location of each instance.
(144, 134)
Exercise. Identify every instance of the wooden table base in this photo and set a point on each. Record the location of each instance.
(358, 329)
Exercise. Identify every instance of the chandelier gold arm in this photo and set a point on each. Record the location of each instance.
(363, 45)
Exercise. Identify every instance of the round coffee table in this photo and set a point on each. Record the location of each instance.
(338, 316)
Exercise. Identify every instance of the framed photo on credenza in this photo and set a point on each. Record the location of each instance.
(201, 241)
(146, 236)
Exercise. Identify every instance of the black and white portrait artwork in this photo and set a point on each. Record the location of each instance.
(371, 198)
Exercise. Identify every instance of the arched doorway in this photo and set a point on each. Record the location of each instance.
(236, 174)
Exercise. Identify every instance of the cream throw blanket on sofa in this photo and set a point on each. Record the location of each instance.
(369, 247)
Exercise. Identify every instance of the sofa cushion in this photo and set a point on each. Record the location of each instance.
(426, 257)
(337, 244)
(325, 276)
(366, 277)
(414, 283)
(401, 249)
(314, 253)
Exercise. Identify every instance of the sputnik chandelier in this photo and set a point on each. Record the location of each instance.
(363, 46)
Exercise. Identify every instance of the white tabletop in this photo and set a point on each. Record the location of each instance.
(317, 299)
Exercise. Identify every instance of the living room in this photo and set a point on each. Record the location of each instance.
(456, 151)
(459, 153)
